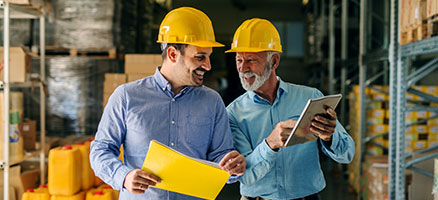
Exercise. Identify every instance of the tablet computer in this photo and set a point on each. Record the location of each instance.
(301, 132)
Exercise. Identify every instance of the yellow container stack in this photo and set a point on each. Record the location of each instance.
(106, 187)
(417, 135)
(65, 170)
(99, 194)
(87, 172)
(36, 194)
(78, 196)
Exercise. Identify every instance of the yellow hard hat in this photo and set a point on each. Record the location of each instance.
(187, 25)
(256, 35)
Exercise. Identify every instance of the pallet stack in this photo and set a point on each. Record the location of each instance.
(418, 20)
(432, 18)
(413, 20)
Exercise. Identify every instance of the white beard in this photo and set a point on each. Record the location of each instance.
(259, 80)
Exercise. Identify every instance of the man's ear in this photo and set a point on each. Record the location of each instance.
(172, 54)
(275, 61)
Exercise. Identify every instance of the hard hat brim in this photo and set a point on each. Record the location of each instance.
(252, 50)
(199, 43)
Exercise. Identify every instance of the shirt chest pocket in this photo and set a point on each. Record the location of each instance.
(197, 130)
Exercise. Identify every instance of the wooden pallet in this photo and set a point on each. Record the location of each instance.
(432, 26)
(76, 52)
(414, 33)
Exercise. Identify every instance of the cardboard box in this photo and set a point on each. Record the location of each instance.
(30, 178)
(14, 182)
(28, 2)
(142, 63)
(134, 77)
(112, 81)
(28, 131)
(420, 11)
(106, 96)
(421, 186)
(432, 8)
(12, 195)
(19, 64)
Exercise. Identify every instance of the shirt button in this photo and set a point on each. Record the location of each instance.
(164, 88)
(173, 99)
(173, 122)
(171, 144)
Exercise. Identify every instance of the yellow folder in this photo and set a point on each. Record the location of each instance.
(184, 174)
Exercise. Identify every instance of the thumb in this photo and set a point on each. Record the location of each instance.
(288, 124)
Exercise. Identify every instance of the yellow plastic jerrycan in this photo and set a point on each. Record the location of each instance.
(78, 196)
(65, 170)
(34, 194)
(106, 187)
(87, 172)
(43, 188)
(99, 194)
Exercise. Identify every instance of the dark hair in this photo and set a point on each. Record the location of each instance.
(165, 46)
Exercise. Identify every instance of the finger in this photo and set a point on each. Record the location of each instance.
(325, 121)
(137, 191)
(323, 127)
(149, 176)
(146, 182)
(332, 113)
(232, 163)
(285, 132)
(239, 170)
(321, 134)
(228, 157)
(287, 124)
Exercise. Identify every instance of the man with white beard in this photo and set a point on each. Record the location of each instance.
(262, 119)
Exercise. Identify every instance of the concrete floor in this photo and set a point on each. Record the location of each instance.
(336, 189)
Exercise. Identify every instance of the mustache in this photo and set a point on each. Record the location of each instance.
(201, 69)
(247, 74)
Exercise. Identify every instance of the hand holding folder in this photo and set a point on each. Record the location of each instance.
(184, 174)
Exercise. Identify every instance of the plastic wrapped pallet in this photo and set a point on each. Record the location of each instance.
(75, 86)
(19, 32)
(84, 23)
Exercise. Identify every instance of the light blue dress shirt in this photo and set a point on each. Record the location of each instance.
(193, 122)
(292, 172)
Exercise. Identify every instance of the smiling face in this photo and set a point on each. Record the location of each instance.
(193, 65)
(254, 69)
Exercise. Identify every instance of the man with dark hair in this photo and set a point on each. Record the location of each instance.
(171, 107)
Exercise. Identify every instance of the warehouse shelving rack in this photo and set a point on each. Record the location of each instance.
(14, 11)
(398, 57)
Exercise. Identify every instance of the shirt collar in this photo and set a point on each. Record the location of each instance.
(281, 89)
(165, 85)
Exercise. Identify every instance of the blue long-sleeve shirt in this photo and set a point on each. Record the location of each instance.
(193, 122)
(292, 172)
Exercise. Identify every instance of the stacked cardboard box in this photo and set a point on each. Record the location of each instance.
(137, 66)
(19, 64)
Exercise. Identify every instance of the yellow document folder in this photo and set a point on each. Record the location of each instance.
(184, 174)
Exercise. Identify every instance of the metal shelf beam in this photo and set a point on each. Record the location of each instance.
(422, 72)
(420, 47)
(9, 11)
